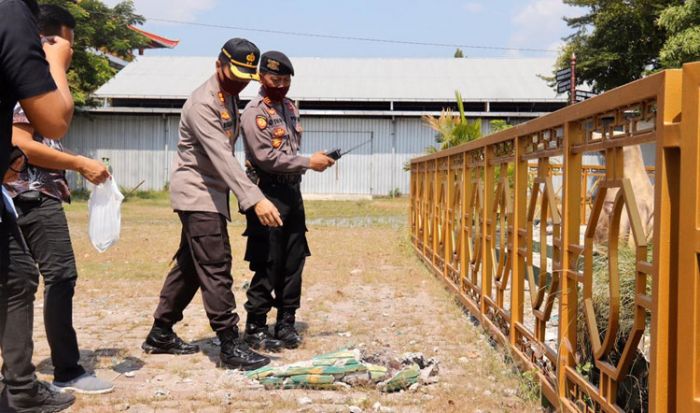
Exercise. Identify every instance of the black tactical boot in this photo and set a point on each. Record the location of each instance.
(235, 353)
(163, 340)
(285, 331)
(258, 336)
(42, 398)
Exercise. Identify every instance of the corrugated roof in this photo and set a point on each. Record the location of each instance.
(357, 79)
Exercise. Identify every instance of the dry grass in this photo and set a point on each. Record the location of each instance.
(362, 279)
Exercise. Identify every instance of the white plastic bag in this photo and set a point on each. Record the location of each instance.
(105, 221)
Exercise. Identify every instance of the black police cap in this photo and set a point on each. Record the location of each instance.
(276, 63)
(242, 56)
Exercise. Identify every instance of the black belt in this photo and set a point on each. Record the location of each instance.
(280, 179)
(29, 197)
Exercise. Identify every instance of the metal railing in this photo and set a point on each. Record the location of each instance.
(520, 261)
(591, 177)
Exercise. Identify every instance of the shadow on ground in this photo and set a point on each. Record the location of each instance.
(112, 358)
(210, 346)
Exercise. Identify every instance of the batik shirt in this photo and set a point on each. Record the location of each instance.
(50, 182)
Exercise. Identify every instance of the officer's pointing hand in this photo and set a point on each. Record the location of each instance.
(319, 161)
(268, 214)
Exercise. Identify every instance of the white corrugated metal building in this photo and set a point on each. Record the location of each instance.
(343, 102)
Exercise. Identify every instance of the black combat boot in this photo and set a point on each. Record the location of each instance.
(235, 353)
(285, 331)
(258, 336)
(163, 340)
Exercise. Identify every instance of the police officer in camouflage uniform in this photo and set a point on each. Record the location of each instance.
(272, 136)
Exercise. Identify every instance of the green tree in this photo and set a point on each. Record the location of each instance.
(498, 125)
(453, 130)
(615, 42)
(99, 29)
(459, 53)
(682, 23)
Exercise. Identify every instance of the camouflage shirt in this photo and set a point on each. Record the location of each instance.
(49, 182)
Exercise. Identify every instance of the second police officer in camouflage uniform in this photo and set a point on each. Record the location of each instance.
(272, 137)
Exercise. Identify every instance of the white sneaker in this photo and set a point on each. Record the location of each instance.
(88, 383)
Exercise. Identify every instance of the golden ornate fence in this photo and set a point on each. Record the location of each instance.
(517, 256)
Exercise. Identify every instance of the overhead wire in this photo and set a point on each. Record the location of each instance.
(353, 38)
(343, 37)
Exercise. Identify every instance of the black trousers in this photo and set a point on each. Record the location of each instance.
(17, 291)
(202, 261)
(45, 230)
(276, 255)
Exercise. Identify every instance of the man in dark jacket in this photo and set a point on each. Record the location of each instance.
(36, 77)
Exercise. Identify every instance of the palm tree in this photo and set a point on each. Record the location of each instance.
(452, 130)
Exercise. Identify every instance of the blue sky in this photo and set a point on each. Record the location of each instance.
(533, 24)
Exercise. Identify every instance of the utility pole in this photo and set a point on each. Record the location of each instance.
(572, 92)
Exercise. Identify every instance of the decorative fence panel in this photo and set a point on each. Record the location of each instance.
(585, 281)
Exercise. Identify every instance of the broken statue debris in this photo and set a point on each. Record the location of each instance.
(349, 367)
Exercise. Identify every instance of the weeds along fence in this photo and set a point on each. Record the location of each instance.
(602, 305)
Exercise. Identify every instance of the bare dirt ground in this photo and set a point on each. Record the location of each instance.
(362, 287)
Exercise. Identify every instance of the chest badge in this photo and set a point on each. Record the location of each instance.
(279, 132)
(261, 121)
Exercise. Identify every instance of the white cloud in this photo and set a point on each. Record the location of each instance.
(539, 24)
(170, 9)
(474, 7)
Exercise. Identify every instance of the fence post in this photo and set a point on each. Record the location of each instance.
(464, 253)
(519, 220)
(487, 233)
(662, 381)
(434, 215)
(448, 230)
(688, 242)
(571, 223)
(412, 199)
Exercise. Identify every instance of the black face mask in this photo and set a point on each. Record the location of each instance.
(230, 86)
(276, 94)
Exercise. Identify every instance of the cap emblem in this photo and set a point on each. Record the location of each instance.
(250, 58)
(273, 65)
